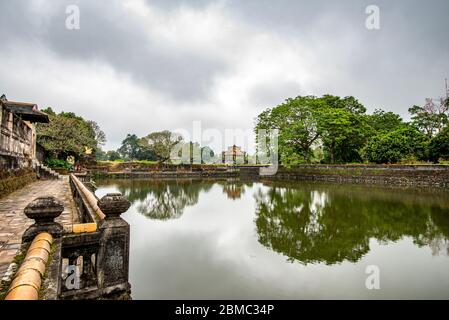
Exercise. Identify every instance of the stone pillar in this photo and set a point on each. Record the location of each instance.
(113, 257)
(43, 211)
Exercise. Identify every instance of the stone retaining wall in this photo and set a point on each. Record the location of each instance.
(405, 175)
(435, 176)
(15, 180)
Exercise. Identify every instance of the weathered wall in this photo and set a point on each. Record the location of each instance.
(407, 175)
(16, 141)
(41, 154)
(14, 180)
(418, 175)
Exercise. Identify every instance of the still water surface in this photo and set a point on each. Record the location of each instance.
(225, 239)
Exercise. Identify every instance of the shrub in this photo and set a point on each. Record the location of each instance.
(439, 146)
(392, 147)
(57, 163)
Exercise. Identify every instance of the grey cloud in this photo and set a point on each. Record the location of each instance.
(392, 68)
(107, 34)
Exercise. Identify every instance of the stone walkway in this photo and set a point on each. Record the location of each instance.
(13, 221)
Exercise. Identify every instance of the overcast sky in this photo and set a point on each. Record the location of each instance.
(139, 66)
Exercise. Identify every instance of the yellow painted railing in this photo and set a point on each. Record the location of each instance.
(92, 202)
(27, 281)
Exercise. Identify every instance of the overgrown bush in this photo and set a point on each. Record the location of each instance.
(439, 146)
(392, 147)
(57, 163)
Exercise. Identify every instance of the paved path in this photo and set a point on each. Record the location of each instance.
(13, 221)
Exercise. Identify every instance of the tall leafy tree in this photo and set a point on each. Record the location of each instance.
(343, 128)
(297, 124)
(130, 147)
(381, 121)
(161, 144)
(431, 118)
(337, 124)
(68, 135)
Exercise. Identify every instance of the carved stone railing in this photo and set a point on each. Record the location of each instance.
(27, 281)
(40, 242)
(92, 259)
(95, 256)
(86, 202)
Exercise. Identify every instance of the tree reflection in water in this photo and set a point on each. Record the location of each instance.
(312, 223)
(162, 199)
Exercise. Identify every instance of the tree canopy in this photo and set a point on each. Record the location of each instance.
(161, 143)
(69, 135)
(331, 129)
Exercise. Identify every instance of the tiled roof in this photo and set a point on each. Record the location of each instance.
(27, 111)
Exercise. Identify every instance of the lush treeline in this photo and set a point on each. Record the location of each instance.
(156, 146)
(331, 129)
(68, 135)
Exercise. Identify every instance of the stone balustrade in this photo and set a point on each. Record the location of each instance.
(90, 261)
(27, 281)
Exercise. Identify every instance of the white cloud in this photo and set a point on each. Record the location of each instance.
(247, 65)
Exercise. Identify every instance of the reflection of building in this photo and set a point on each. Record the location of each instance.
(233, 191)
(234, 155)
(18, 133)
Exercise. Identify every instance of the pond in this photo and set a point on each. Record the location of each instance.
(229, 239)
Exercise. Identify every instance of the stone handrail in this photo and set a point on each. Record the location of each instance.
(27, 281)
(83, 265)
(89, 203)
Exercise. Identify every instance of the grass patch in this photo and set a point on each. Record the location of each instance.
(4, 285)
(42, 290)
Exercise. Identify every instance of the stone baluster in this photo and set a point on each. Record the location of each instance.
(113, 258)
(43, 210)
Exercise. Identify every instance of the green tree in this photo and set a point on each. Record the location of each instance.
(161, 144)
(392, 147)
(68, 135)
(100, 136)
(382, 121)
(296, 122)
(343, 129)
(101, 155)
(130, 147)
(306, 123)
(112, 155)
(439, 146)
(430, 118)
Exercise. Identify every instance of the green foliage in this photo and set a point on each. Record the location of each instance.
(160, 143)
(430, 118)
(100, 155)
(11, 180)
(132, 150)
(298, 127)
(57, 163)
(382, 121)
(343, 132)
(68, 135)
(112, 155)
(336, 124)
(439, 146)
(297, 221)
(392, 147)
